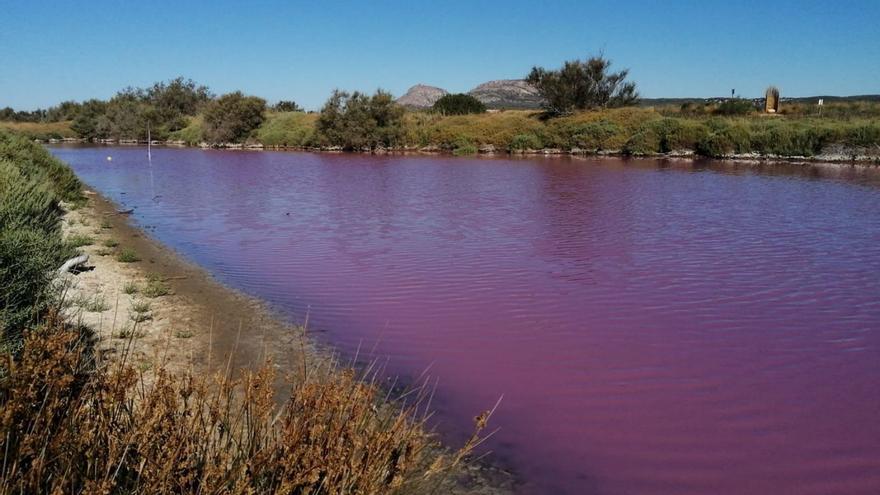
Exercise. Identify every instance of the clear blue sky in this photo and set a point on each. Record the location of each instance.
(56, 50)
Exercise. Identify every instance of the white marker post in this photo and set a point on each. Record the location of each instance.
(821, 103)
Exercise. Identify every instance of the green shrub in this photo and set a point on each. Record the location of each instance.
(735, 106)
(464, 146)
(356, 121)
(522, 142)
(233, 117)
(37, 164)
(643, 142)
(458, 104)
(716, 144)
(28, 260)
(26, 202)
(592, 136)
(31, 247)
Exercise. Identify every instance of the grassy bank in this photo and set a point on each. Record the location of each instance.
(43, 131)
(75, 418)
(628, 131)
(846, 131)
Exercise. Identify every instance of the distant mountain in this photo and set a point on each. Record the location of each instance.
(507, 93)
(421, 96)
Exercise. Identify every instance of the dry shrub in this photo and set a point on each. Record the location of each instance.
(72, 424)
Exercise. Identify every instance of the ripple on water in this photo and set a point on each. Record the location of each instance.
(653, 330)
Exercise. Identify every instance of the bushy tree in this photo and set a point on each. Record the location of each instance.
(10, 115)
(583, 85)
(66, 110)
(125, 115)
(286, 106)
(232, 117)
(458, 104)
(356, 121)
(173, 100)
(88, 121)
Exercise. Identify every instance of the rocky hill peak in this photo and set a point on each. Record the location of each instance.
(421, 96)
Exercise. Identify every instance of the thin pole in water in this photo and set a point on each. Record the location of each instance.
(149, 143)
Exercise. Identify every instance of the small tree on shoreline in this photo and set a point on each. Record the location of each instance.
(458, 104)
(356, 121)
(232, 117)
(582, 86)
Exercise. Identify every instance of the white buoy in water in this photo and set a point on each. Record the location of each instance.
(109, 158)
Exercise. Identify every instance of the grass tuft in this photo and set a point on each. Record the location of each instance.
(156, 288)
(95, 304)
(127, 255)
(80, 240)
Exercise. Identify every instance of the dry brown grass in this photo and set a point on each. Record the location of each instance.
(40, 130)
(70, 423)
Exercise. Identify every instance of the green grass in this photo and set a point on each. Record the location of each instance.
(287, 129)
(80, 240)
(191, 134)
(111, 243)
(127, 255)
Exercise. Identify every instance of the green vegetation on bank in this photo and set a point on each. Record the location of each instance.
(32, 184)
(458, 104)
(587, 108)
(628, 130)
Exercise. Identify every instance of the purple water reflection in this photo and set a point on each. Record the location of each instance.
(653, 329)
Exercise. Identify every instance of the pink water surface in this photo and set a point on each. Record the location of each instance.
(654, 327)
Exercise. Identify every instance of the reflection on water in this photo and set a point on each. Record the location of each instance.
(654, 326)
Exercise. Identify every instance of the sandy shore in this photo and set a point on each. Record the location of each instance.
(200, 324)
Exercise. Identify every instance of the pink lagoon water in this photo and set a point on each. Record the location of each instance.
(655, 327)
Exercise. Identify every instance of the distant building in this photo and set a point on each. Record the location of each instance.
(771, 100)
